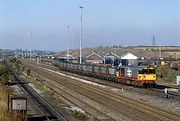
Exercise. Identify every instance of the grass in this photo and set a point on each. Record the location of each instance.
(5, 114)
(5, 91)
(80, 116)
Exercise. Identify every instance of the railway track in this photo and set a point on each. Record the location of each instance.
(48, 111)
(54, 86)
(158, 90)
(131, 108)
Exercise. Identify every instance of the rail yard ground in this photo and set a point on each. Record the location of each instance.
(81, 98)
(102, 100)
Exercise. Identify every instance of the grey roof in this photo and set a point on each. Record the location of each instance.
(112, 54)
(92, 54)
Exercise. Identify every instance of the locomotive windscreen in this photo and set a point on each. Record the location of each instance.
(147, 71)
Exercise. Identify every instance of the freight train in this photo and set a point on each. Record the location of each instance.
(133, 75)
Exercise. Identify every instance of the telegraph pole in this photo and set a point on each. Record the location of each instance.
(160, 50)
(153, 46)
(81, 7)
(160, 53)
(93, 36)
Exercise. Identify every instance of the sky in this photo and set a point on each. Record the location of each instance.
(42, 24)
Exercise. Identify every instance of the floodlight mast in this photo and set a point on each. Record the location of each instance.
(81, 7)
(30, 53)
(68, 43)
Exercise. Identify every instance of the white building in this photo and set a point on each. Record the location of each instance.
(129, 59)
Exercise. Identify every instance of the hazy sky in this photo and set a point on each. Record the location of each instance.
(105, 22)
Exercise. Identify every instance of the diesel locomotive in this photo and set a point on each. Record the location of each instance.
(133, 75)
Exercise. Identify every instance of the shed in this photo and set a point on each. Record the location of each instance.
(18, 103)
(111, 58)
(94, 58)
(129, 59)
(19, 106)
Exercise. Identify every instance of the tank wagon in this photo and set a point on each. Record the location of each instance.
(133, 75)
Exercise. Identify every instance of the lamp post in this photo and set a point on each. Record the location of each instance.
(30, 45)
(68, 43)
(81, 7)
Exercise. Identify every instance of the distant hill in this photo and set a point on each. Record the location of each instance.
(139, 51)
(163, 48)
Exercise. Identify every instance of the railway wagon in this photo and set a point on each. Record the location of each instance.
(102, 72)
(137, 75)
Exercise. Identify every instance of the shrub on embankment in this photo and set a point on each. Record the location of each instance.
(5, 91)
(166, 74)
(15, 63)
(4, 74)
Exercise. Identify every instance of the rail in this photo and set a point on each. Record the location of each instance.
(46, 109)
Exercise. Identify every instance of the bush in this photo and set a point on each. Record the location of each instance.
(166, 74)
(4, 74)
(13, 60)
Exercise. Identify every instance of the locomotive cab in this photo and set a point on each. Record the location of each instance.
(147, 74)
